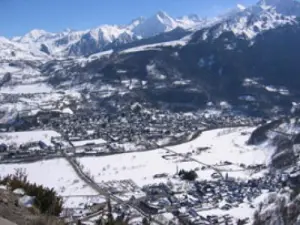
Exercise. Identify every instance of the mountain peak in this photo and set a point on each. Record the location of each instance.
(232, 12)
(158, 23)
(3, 39)
(166, 20)
(241, 7)
(34, 35)
(139, 19)
(135, 22)
(194, 17)
(67, 30)
(284, 7)
(162, 14)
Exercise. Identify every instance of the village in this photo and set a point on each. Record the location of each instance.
(183, 201)
(133, 129)
(184, 195)
(208, 195)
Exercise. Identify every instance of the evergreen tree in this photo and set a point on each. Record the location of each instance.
(145, 221)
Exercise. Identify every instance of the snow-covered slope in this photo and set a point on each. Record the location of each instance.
(265, 15)
(35, 35)
(10, 50)
(285, 7)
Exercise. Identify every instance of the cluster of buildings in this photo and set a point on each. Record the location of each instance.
(134, 128)
(222, 194)
(29, 151)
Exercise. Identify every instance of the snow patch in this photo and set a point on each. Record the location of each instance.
(24, 137)
(26, 89)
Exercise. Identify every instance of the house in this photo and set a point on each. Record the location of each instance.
(216, 176)
(151, 208)
(74, 138)
(3, 147)
(160, 175)
(226, 207)
(42, 145)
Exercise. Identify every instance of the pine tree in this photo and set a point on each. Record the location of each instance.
(145, 221)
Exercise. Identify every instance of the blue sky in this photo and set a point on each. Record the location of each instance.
(20, 16)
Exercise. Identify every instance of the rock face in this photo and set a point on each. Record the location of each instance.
(279, 209)
(284, 158)
(259, 135)
(281, 138)
(284, 154)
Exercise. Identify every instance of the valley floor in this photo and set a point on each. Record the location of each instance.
(218, 156)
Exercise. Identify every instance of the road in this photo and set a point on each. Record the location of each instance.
(84, 177)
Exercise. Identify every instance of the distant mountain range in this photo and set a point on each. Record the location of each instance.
(82, 43)
(266, 14)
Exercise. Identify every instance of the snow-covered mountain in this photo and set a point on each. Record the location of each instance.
(11, 50)
(263, 16)
(78, 43)
(160, 22)
(243, 21)
(285, 7)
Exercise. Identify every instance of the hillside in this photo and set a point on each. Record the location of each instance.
(13, 213)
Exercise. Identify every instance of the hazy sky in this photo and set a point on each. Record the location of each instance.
(20, 16)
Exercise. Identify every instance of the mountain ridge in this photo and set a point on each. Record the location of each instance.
(90, 41)
(243, 21)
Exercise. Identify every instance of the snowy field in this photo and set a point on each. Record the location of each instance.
(19, 138)
(155, 47)
(224, 145)
(140, 167)
(56, 173)
(26, 89)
